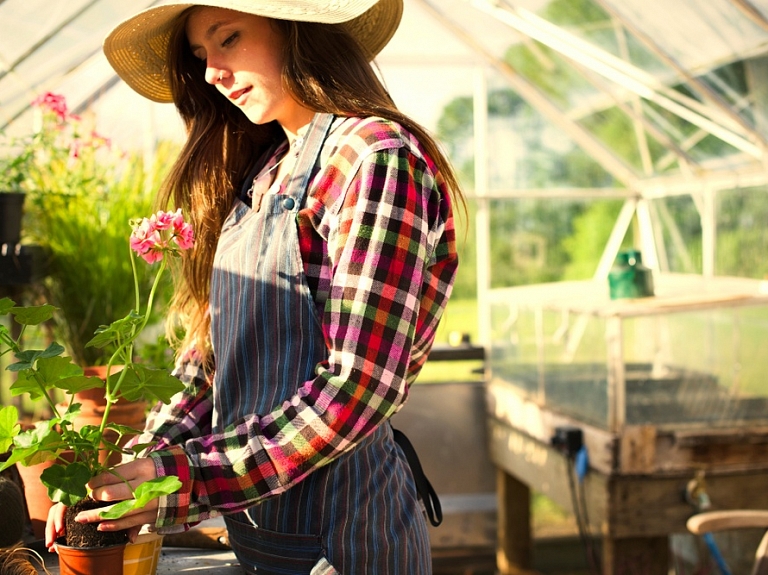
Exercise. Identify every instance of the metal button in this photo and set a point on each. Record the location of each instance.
(288, 203)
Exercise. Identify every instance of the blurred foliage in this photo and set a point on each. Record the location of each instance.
(85, 230)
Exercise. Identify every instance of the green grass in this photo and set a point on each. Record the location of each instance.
(459, 316)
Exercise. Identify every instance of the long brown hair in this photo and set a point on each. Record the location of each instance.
(327, 71)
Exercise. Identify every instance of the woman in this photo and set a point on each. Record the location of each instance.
(324, 258)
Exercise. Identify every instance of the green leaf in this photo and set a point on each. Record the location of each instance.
(26, 383)
(39, 444)
(123, 429)
(79, 383)
(28, 357)
(69, 416)
(139, 447)
(118, 330)
(55, 368)
(6, 304)
(33, 315)
(9, 427)
(66, 483)
(149, 383)
(52, 372)
(35, 455)
(144, 493)
(35, 436)
(17, 456)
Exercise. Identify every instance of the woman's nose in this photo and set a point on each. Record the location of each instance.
(214, 75)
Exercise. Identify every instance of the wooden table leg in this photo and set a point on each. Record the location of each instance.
(513, 550)
(636, 556)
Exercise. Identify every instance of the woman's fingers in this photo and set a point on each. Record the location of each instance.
(54, 526)
(137, 519)
(112, 487)
(133, 533)
(116, 486)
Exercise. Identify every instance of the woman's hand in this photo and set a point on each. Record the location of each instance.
(108, 487)
(54, 526)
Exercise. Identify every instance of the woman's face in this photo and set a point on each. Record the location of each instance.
(243, 59)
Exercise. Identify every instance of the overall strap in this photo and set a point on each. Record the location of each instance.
(310, 150)
(426, 492)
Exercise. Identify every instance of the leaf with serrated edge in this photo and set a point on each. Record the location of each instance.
(28, 357)
(155, 384)
(33, 315)
(66, 484)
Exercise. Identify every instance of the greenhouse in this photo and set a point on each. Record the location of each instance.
(595, 400)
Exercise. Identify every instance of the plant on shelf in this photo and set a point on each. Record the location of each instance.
(80, 190)
(75, 453)
(16, 158)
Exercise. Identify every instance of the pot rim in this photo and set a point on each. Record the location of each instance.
(65, 546)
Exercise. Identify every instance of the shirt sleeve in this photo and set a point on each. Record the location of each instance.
(380, 253)
(186, 416)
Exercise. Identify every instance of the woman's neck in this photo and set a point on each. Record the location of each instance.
(295, 142)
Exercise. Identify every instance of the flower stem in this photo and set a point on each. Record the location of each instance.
(125, 349)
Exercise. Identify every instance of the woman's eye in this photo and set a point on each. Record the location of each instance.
(230, 39)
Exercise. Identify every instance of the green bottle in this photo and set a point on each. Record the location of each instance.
(628, 277)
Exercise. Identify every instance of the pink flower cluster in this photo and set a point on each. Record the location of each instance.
(55, 103)
(152, 237)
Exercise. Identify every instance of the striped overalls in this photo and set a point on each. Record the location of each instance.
(358, 515)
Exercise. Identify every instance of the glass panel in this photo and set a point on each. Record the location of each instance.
(555, 358)
(742, 241)
(703, 367)
(690, 358)
(45, 42)
(679, 230)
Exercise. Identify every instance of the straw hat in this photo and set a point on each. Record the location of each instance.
(137, 48)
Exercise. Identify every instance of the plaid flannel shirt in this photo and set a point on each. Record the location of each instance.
(378, 246)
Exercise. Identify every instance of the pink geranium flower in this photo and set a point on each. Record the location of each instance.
(151, 237)
(185, 238)
(162, 220)
(55, 103)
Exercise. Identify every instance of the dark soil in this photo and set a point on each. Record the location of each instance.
(85, 534)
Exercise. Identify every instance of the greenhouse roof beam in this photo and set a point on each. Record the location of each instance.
(751, 12)
(555, 193)
(45, 39)
(745, 177)
(626, 75)
(640, 120)
(636, 108)
(537, 99)
(692, 81)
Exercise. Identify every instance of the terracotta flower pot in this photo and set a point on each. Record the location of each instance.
(142, 557)
(36, 494)
(90, 560)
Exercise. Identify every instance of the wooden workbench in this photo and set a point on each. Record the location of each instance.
(638, 473)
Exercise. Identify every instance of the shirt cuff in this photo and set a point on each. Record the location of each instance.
(174, 509)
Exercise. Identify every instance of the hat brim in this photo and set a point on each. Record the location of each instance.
(137, 48)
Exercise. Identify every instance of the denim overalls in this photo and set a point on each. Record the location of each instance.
(358, 515)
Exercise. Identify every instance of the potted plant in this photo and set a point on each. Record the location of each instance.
(80, 190)
(19, 160)
(75, 453)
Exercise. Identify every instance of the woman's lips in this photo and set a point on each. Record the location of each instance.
(237, 95)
